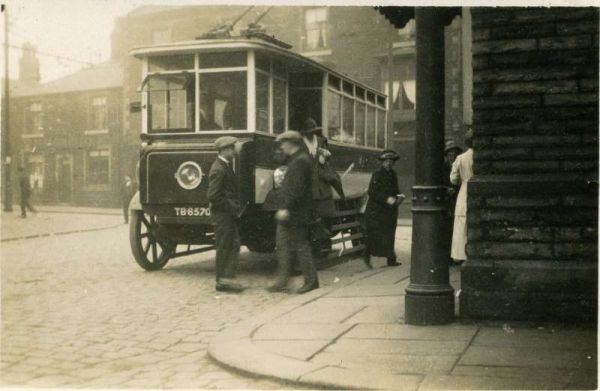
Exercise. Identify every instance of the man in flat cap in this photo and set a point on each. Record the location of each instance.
(223, 195)
(296, 215)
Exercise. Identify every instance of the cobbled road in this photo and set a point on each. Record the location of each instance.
(77, 311)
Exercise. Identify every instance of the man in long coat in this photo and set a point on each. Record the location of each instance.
(223, 196)
(295, 216)
(381, 213)
(25, 188)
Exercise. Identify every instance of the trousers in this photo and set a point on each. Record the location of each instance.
(293, 243)
(25, 205)
(227, 240)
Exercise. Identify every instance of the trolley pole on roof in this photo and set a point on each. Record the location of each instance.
(429, 296)
(5, 135)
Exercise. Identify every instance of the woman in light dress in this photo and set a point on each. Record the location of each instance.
(462, 171)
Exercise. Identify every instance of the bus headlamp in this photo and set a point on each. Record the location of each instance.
(189, 175)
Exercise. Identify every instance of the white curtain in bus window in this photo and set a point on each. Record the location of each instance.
(279, 105)
(333, 115)
(409, 95)
(380, 129)
(347, 134)
(262, 102)
(223, 101)
(171, 103)
(360, 123)
(370, 126)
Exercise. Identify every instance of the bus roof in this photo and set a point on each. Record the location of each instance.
(240, 43)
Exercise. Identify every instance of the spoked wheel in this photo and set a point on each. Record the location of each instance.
(149, 252)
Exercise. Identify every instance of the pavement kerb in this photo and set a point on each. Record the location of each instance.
(233, 347)
(47, 234)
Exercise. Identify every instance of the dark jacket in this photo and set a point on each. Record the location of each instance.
(223, 193)
(24, 186)
(296, 197)
(381, 218)
(450, 185)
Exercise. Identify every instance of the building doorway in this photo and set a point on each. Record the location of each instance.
(64, 177)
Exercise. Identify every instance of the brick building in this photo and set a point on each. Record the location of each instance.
(533, 202)
(68, 134)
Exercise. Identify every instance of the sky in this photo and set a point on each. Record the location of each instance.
(80, 29)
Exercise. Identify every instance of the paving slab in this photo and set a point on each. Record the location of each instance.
(317, 312)
(410, 347)
(528, 357)
(386, 278)
(548, 338)
(379, 313)
(305, 331)
(340, 378)
(300, 350)
(553, 374)
(364, 301)
(451, 382)
(391, 331)
(389, 363)
(368, 291)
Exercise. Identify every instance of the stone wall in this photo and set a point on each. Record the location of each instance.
(533, 202)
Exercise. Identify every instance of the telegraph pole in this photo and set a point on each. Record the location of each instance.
(5, 136)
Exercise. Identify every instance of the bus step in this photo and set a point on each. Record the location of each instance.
(347, 238)
(348, 212)
(339, 227)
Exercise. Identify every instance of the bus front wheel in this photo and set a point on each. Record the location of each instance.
(149, 252)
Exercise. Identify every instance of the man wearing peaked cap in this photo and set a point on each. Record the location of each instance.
(224, 142)
(223, 195)
(290, 135)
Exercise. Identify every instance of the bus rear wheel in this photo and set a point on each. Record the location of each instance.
(149, 252)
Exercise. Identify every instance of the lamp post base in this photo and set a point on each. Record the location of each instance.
(426, 307)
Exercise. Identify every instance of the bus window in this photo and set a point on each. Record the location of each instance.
(170, 63)
(171, 103)
(380, 129)
(262, 102)
(304, 104)
(222, 60)
(348, 121)
(263, 62)
(223, 101)
(334, 82)
(370, 126)
(305, 79)
(360, 123)
(333, 115)
(279, 104)
(348, 88)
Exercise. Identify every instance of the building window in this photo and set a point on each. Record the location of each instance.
(36, 167)
(315, 28)
(97, 168)
(409, 95)
(34, 119)
(98, 113)
(408, 31)
(162, 35)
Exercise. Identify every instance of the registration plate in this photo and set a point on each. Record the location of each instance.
(191, 211)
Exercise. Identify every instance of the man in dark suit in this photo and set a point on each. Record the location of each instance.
(296, 215)
(224, 200)
(25, 188)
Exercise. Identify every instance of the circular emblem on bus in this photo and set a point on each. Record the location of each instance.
(189, 175)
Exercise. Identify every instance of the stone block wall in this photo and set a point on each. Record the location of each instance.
(533, 202)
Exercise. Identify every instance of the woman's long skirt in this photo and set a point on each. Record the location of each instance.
(459, 238)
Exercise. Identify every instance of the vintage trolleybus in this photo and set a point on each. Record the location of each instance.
(253, 88)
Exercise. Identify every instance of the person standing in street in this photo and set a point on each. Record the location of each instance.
(223, 196)
(462, 171)
(127, 191)
(451, 151)
(296, 215)
(25, 189)
(381, 213)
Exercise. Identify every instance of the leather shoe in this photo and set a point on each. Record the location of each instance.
(391, 261)
(277, 287)
(307, 288)
(228, 286)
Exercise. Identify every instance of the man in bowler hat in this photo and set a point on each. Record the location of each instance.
(295, 216)
(223, 195)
